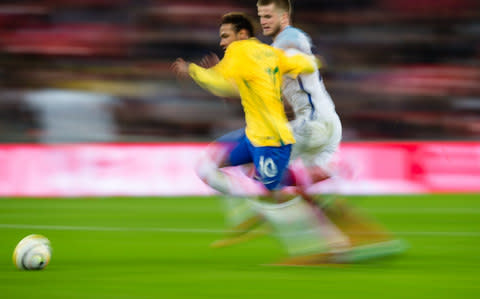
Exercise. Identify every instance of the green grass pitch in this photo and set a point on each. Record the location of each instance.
(159, 248)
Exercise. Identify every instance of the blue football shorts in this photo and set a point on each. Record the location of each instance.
(270, 162)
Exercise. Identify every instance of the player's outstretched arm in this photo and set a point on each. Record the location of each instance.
(213, 81)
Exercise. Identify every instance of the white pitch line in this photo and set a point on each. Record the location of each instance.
(376, 210)
(439, 234)
(423, 210)
(202, 230)
(107, 229)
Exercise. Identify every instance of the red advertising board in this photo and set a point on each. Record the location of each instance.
(168, 169)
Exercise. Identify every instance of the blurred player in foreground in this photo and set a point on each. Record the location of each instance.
(255, 70)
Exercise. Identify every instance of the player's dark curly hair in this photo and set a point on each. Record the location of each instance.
(240, 21)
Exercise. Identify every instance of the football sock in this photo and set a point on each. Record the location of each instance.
(295, 225)
(360, 228)
(237, 210)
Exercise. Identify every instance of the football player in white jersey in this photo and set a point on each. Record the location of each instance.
(317, 127)
(316, 124)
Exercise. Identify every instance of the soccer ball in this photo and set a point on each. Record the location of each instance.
(32, 253)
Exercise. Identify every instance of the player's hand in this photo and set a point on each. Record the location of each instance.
(320, 60)
(180, 68)
(209, 60)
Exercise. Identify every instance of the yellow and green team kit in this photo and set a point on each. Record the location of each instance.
(255, 70)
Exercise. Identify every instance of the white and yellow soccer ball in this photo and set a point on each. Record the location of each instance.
(32, 253)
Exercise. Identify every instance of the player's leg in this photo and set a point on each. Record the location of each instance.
(269, 172)
(296, 224)
(359, 228)
(270, 164)
(238, 211)
(313, 138)
(242, 220)
(317, 144)
(223, 154)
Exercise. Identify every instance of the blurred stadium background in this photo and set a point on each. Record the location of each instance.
(98, 70)
(94, 74)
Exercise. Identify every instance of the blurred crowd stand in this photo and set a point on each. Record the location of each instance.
(98, 70)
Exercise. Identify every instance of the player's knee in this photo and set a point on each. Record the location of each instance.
(204, 167)
(211, 160)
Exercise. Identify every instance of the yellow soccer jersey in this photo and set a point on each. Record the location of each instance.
(255, 70)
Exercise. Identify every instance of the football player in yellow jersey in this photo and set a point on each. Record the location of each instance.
(254, 71)
(240, 73)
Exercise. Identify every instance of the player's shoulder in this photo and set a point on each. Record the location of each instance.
(293, 33)
(242, 44)
(293, 37)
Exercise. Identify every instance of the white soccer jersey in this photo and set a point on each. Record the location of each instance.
(316, 126)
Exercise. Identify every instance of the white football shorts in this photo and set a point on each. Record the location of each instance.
(317, 141)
